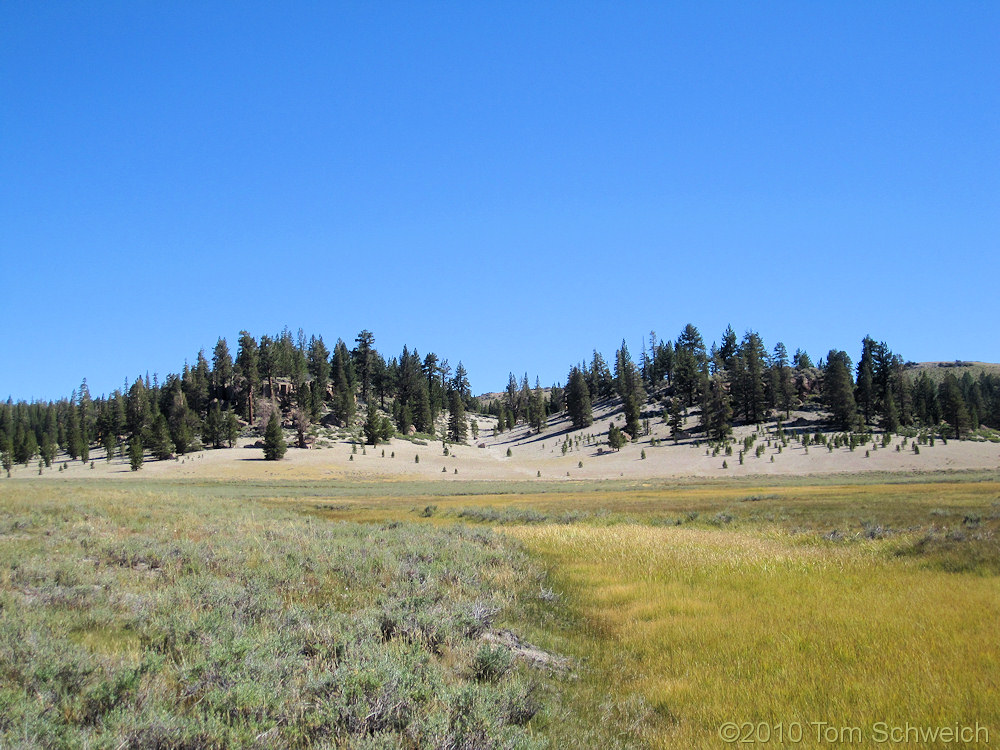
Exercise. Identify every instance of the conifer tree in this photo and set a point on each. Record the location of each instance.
(890, 415)
(629, 387)
(7, 455)
(160, 444)
(247, 375)
(615, 438)
(953, 406)
(601, 384)
(48, 449)
(135, 452)
(343, 393)
(213, 425)
(182, 421)
(578, 400)
(422, 418)
(274, 439)
(301, 420)
(838, 389)
(319, 368)
(511, 398)
(864, 390)
(198, 385)
(372, 425)
(267, 364)
(718, 413)
(801, 360)
(73, 438)
(222, 372)
(748, 378)
(460, 382)
(536, 408)
(675, 418)
(364, 355)
(231, 427)
(690, 363)
(457, 426)
(784, 386)
(727, 352)
(85, 405)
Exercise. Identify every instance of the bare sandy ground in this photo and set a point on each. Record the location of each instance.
(536, 456)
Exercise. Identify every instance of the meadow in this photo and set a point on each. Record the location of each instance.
(317, 614)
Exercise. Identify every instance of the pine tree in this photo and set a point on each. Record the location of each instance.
(864, 390)
(718, 413)
(748, 378)
(890, 415)
(422, 418)
(301, 420)
(7, 455)
(110, 442)
(838, 390)
(676, 418)
(247, 369)
(343, 393)
(460, 382)
(629, 387)
(73, 437)
(161, 446)
(784, 385)
(372, 425)
(511, 398)
(135, 453)
(85, 406)
(222, 372)
(690, 362)
(801, 360)
(48, 449)
(578, 400)
(953, 405)
(213, 425)
(274, 439)
(364, 355)
(319, 368)
(137, 409)
(267, 364)
(536, 408)
(457, 426)
(727, 352)
(615, 437)
(231, 427)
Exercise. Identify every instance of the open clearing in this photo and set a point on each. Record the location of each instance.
(403, 614)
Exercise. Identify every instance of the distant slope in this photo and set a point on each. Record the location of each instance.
(937, 371)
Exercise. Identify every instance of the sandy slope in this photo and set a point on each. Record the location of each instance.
(533, 454)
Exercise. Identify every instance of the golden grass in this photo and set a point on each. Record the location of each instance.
(711, 626)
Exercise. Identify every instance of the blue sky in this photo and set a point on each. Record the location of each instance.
(509, 184)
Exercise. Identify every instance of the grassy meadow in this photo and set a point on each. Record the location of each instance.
(311, 614)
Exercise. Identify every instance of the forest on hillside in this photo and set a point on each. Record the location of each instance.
(298, 382)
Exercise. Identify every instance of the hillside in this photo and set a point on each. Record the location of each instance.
(937, 371)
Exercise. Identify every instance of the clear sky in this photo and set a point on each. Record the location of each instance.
(509, 184)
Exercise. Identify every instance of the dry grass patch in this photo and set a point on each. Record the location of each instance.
(709, 626)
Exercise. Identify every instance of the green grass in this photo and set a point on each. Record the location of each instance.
(316, 614)
(138, 619)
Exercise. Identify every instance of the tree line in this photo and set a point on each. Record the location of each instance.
(741, 380)
(291, 378)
